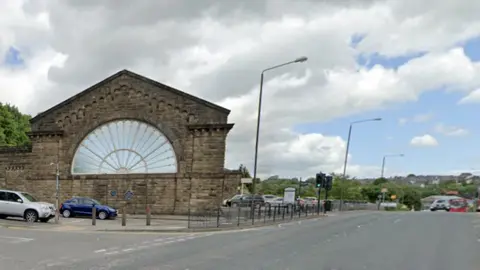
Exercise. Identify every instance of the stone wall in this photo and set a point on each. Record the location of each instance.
(163, 194)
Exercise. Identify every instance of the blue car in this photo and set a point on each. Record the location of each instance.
(82, 206)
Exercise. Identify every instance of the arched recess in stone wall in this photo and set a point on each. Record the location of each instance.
(125, 146)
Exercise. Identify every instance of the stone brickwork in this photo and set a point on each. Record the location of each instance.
(196, 128)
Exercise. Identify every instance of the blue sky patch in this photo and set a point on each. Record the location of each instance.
(13, 57)
(371, 140)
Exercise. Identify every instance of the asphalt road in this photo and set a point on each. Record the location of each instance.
(373, 241)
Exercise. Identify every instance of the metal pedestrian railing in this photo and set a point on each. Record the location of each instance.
(262, 214)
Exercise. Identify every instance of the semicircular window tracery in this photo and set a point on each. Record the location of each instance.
(124, 147)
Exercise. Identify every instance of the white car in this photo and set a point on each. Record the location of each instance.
(24, 205)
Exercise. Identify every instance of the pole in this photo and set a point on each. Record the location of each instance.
(299, 187)
(318, 201)
(383, 166)
(255, 159)
(325, 203)
(57, 185)
(345, 166)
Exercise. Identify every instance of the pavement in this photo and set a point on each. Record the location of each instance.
(342, 241)
(134, 223)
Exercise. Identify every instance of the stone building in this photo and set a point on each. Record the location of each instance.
(127, 133)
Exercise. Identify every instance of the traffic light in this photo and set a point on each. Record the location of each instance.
(328, 182)
(320, 180)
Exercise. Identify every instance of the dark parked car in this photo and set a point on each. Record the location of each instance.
(82, 206)
(247, 200)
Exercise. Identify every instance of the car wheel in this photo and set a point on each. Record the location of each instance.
(31, 216)
(102, 215)
(433, 209)
(66, 213)
(3, 217)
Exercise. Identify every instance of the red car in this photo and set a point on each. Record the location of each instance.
(458, 205)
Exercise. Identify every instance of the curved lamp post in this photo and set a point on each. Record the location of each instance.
(384, 158)
(298, 60)
(346, 153)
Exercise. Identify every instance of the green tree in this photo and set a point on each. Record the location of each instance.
(380, 181)
(13, 126)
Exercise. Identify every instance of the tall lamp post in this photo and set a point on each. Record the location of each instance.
(57, 174)
(346, 154)
(298, 60)
(385, 157)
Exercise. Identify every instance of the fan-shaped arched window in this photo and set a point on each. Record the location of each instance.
(124, 147)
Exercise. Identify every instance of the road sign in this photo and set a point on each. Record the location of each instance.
(113, 193)
(384, 190)
(393, 197)
(128, 195)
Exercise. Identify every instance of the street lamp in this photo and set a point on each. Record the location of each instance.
(298, 60)
(57, 173)
(383, 161)
(346, 153)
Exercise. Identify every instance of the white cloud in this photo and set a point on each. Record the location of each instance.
(472, 97)
(419, 118)
(450, 130)
(424, 140)
(422, 118)
(402, 121)
(217, 49)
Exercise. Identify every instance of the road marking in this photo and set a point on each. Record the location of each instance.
(111, 253)
(128, 249)
(16, 240)
(100, 250)
(396, 220)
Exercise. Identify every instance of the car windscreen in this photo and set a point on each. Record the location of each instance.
(29, 197)
(96, 202)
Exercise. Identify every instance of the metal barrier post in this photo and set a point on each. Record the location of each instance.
(283, 213)
(238, 216)
(124, 218)
(94, 216)
(274, 212)
(265, 214)
(148, 215)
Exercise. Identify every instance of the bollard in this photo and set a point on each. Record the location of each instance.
(148, 215)
(94, 216)
(124, 218)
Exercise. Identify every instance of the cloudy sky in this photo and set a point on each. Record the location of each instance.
(409, 62)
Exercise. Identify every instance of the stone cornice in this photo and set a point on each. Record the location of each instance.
(209, 127)
(15, 149)
(45, 133)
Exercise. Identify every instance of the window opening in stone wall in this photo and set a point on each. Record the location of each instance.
(125, 147)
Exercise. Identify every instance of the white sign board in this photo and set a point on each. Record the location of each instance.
(246, 180)
(289, 195)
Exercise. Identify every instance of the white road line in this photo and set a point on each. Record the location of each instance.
(396, 221)
(128, 249)
(111, 253)
(18, 238)
(100, 251)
